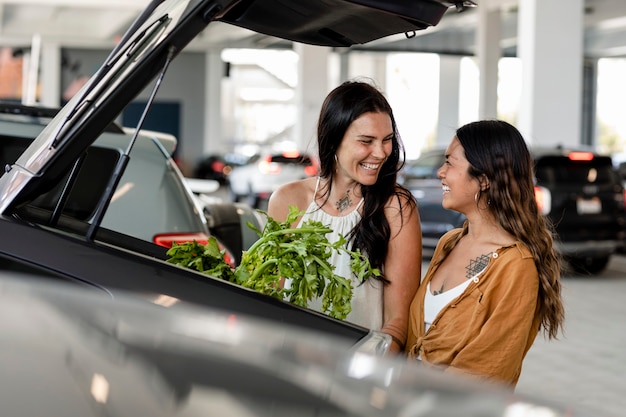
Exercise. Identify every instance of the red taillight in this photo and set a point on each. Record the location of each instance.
(218, 166)
(167, 239)
(543, 199)
(580, 156)
(310, 170)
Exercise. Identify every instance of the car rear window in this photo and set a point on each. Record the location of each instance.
(561, 169)
(89, 186)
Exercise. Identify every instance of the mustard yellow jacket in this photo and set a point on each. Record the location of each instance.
(487, 330)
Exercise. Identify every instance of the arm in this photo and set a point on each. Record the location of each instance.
(403, 266)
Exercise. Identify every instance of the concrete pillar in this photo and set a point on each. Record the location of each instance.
(311, 90)
(213, 139)
(488, 54)
(50, 73)
(449, 88)
(552, 66)
(366, 65)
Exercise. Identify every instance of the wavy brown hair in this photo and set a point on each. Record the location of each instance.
(497, 150)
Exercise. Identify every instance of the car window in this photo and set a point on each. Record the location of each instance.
(88, 187)
(562, 170)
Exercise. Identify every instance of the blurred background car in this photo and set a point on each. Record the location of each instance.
(219, 166)
(579, 190)
(77, 352)
(264, 173)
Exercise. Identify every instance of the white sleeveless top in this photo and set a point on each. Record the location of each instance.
(367, 298)
(433, 304)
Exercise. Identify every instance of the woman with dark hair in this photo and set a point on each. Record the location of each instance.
(357, 196)
(493, 284)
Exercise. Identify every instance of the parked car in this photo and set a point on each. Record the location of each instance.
(263, 174)
(152, 200)
(65, 244)
(218, 166)
(74, 352)
(579, 190)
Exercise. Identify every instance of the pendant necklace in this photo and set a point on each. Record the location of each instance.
(344, 202)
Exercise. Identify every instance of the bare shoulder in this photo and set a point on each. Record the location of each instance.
(401, 210)
(401, 200)
(297, 193)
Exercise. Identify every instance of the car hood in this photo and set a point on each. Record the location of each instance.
(158, 35)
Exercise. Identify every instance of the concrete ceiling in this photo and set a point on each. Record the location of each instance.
(96, 24)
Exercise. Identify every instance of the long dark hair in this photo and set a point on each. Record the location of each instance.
(496, 149)
(341, 107)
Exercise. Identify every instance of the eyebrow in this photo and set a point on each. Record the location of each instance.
(391, 135)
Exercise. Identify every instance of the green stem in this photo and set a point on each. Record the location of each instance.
(268, 236)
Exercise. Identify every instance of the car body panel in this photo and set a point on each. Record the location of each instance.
(144, 272)
(71, 352)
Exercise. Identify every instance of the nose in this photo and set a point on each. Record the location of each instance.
(382, 150)
(440, 172)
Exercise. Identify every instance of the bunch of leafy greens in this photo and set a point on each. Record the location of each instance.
(283, 252)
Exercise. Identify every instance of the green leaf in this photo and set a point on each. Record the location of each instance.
(301, 254)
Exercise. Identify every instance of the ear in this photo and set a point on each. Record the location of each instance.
(484, 182)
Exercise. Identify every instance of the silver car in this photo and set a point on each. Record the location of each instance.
(264, 173)
(72, 352)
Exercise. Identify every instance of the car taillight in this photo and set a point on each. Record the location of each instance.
(268, 167)
(543, 197)
(218, 166)
(167, 239)
(310, 170)
(580, 156)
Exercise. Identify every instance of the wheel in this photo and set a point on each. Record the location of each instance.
(589, 265)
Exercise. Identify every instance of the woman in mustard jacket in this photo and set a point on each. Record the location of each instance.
(493, 284)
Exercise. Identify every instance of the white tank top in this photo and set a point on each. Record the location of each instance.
(367, 298)
(433, 304)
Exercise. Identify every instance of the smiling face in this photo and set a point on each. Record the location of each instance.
(367, 143)
(459, 188)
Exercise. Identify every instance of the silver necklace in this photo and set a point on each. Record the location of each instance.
(344, 202)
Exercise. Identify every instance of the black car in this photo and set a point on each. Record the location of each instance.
(53, 240)
(579, 190)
